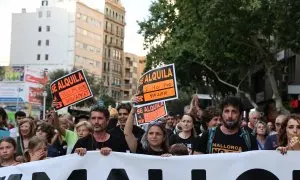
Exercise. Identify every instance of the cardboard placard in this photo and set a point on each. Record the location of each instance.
(157, 85)
(70, 89)
(152, 112)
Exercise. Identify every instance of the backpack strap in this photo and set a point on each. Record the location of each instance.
(246, 136)
(211, 135)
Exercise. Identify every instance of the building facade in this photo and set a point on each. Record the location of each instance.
(114, 27)
(89, 39)
(133, 68)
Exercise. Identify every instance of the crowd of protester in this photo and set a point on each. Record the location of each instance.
(214, 129)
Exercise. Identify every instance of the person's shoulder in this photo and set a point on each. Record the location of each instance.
(86, 138)
(113, 130)
(137, 128)
(114, 137)
(272, 137)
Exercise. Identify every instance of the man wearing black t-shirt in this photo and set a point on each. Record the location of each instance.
(123, 113)
(100, 139)
(229, 137)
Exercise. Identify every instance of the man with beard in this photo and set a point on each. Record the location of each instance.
(229, 137)
(100, 139)
(123, 113)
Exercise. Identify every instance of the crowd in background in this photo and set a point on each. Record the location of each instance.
(215, 129)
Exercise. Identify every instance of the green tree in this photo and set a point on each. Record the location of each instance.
(226, 41)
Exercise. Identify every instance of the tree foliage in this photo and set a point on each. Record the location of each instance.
(230, 38)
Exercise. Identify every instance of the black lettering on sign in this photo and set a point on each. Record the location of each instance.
(14, 177)
(198, 174)
(79, 174)
(40, 176)
(155, 174)
(117, 174)
(257, 174)
(296, 174)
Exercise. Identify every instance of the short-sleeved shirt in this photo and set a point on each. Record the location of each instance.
(71, 138)
(223, 143)
(90, 143)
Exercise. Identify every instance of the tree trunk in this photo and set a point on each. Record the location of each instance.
(276, 96)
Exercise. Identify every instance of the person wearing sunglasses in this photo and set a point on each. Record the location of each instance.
(272, 140)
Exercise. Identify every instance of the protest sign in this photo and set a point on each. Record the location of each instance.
(157, 85)
(70, 89)
(258, 165)
(152, 112)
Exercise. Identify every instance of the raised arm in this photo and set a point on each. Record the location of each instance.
(55, 122)
(129, 136)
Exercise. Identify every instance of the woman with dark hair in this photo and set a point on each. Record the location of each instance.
(8, 149)
(3, 119)
(46, 132)
(187, 136)
(153, 142)
(289, 134)
(261, 131)
(37, 150)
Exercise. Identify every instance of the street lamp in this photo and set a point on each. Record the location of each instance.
(44, 104)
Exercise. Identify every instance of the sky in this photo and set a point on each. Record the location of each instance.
(136, 10)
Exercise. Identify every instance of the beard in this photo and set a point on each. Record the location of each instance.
(231, 124)
(99, 128)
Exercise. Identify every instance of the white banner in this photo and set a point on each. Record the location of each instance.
(264, 165)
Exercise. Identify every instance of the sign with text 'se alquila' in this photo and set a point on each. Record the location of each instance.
(258, 165)
(157, 85)
(70, 89)
(152, 112)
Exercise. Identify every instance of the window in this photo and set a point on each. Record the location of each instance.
(109, 53)
(48, 28)
(47, 42)
(40, 29)
(122, 18)
(46, 57)
(111, 28)
(48, 13)
(121, 44)
(40, 14)
(106, 25)
(105, 39)
(39, 42)
(42, 3)
(106, 11)
(111, 40)
(117, 30)
(38, 57)
(46, 3)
